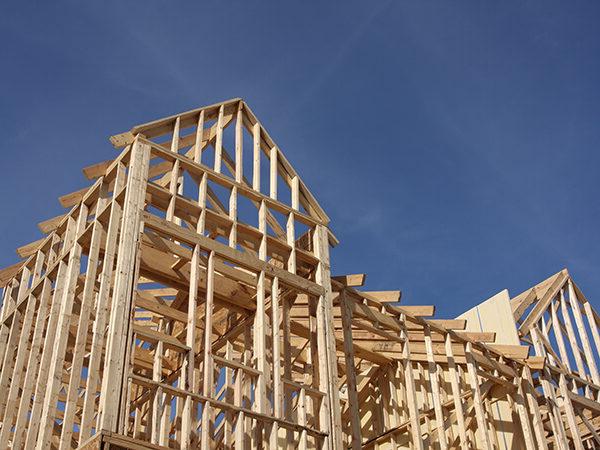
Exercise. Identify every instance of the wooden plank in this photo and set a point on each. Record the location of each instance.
(511, 351)
(571, 334)
(9, 272)
(535, 362)
(411, 394)
(29, 383)
(165, 125)
(235, 365)
(570, 413)
(102, 306)
(328, 377)
(198, 170)
(47, 349)
(477, 399)
(394, 296)
(256, 158)
(584, 402)
(589, 312)
(590, 427)
(158, 398)
(483, 337)
(542, 304)
(456, 395)
(88, 297)
(278, 405)
(526, 383)
(96, 170)
(291, 241)
(449, 324)
(27, 250)
(519, 404)
(243, 259)
(521, 302)
(154, 304)
(351, 280)
(306, 198)
(361, 310)
(56, 362)
(356, 439)
(149, 335)
(239, 145)
(590, 358)
(9, 396)
(421, 311)
(227, 407)
(435, 391)
(73, 198)
(549, 393)
(49, 225)
(123, 285)
(558, 335)
(219, 140)
(273, 173)
(260, 353)
(208, 382)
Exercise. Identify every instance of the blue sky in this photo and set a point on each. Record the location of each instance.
(453, 144)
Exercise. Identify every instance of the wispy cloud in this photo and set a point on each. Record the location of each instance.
(336, 60)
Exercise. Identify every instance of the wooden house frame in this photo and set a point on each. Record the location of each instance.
(185, 301)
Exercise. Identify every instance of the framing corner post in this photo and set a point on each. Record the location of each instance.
(120, 310)
(323, 277)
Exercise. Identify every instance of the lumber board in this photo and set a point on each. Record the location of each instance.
(351, 280)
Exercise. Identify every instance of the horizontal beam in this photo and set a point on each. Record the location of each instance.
(352, 280)
(387, 296)
(230, 254)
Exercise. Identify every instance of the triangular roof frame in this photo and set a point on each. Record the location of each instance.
(159, 127)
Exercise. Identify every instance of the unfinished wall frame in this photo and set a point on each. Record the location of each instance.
(186, 301)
